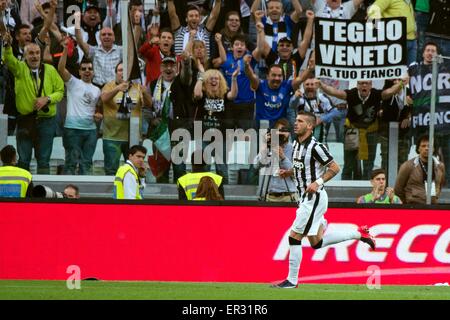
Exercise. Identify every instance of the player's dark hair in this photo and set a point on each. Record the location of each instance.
(8, 154)
(311, 116)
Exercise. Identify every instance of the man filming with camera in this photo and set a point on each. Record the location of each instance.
(276, 166)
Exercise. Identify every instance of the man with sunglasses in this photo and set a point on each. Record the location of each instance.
(80, 131)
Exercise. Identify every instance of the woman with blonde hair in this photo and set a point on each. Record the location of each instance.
(207, 190)
(210, 97)
(200, 54)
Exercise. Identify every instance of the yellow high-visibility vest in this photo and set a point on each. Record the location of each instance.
(189, 182)
(119, 192)
(14, 182)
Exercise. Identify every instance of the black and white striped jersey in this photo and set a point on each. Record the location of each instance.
(310, 159)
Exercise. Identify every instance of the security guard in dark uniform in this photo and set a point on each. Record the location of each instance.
(187, 184)
(14, 181)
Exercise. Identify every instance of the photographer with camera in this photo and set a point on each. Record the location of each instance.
(276, 166)
(38, 88)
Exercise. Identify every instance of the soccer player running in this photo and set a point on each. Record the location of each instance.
(313, 165)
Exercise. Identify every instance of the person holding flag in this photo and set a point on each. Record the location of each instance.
(161, 114)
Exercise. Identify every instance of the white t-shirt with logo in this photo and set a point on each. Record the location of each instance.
(82, 98)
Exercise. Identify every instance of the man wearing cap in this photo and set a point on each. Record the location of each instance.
(153, 52)
(14, 182)
(162, 113)
(90, 24)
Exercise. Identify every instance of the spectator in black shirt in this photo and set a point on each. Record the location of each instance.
(395, 109)
(210, 94)
(364, 103)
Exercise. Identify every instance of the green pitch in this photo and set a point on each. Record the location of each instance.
(14, 289)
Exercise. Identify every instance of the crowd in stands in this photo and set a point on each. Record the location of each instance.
(230, 64)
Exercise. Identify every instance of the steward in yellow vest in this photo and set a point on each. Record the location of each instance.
(187, 184)
(14, 181)
(128, 182)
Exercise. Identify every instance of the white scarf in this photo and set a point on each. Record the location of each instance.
(159, 96)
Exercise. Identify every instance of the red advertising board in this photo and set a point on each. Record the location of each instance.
(215, 243)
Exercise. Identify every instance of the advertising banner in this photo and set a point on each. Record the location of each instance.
(360, 50)
(216, 244)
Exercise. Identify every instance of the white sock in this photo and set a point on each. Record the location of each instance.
(295, 259)
(339, 236)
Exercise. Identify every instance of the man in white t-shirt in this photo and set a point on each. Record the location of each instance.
(80, 131)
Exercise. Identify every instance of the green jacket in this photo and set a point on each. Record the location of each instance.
(368, 198)
(25, 89)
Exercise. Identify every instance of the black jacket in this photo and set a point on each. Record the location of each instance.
(181, 99)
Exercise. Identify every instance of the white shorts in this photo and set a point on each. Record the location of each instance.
(310, 214)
